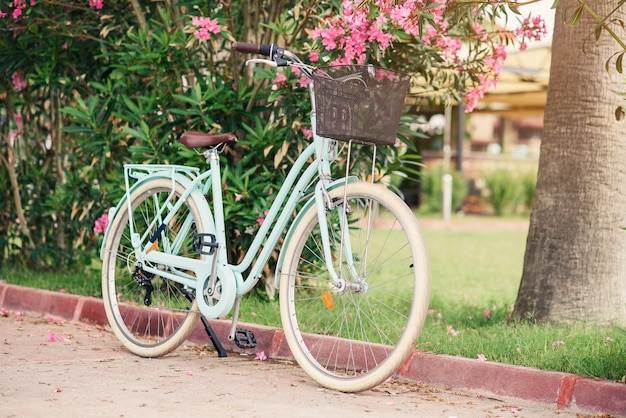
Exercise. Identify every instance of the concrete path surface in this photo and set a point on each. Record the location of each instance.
(59, 360)
(55, 367)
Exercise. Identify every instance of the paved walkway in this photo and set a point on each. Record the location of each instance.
(56, 367)
(58, 359)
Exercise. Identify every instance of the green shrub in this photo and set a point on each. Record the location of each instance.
(432, 189)
(503, 191)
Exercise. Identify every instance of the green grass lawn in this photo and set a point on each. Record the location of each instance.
(475, 276)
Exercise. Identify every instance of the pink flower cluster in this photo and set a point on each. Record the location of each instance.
(351, 31)
(206, 27)
(359, 26)
(20, 5)
(489, 78)
(533, 28)
(96, 4)
(18, 81)
(101, 224)
(364, 24)
(18, 9)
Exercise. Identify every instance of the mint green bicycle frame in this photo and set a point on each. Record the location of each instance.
(197, 185)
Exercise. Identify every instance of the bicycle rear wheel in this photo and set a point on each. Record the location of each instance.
(149, 314)
(352, 339)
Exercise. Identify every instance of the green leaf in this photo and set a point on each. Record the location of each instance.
(618, 62)
(576, 18)
(194, 101)
(77, 114)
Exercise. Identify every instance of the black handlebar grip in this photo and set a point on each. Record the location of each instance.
(248, 48)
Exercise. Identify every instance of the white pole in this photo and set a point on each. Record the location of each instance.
(447, 154)
(447, 196)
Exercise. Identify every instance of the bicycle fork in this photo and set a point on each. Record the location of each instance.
(325, 204)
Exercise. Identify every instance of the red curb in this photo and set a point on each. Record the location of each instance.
(405, 368)
(563, 390)
(275, 346)
(53, 303)
(497, 378)
(3, 290)
(91, 310)
(600, 396)
(566, 390)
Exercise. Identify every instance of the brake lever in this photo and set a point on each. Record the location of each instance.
(262, 61)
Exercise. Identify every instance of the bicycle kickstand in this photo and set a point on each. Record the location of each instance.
(213, 337)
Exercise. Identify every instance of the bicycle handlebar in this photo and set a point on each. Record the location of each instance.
(279, 56)
(263, 49)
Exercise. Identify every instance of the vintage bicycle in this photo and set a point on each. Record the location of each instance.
(353, 269)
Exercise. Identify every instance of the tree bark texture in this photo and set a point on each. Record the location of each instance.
(575, 261)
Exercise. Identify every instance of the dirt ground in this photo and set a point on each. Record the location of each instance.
(57, 368)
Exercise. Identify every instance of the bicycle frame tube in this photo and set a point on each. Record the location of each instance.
(274, 223)
(287, 197)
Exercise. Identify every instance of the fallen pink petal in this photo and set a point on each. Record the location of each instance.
(557, 344)
(481, 357)
(189, 373)
(52, 337)
(260, 356)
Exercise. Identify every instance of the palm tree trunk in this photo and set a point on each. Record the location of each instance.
(575, 261)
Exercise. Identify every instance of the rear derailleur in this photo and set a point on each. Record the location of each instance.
(144, 279)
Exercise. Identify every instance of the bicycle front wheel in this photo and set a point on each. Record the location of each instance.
(354, 336)
(149, 314)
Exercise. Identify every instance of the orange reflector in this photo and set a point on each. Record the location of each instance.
(327, 298)
(154, 246)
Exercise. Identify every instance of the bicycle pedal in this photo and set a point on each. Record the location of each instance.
(200, 242)
(245, 338)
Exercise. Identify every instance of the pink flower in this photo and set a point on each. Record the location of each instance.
(96, 4)
(206, 27)
(260, 220)
(52, 337)
(238, 197)
(101, 224)
(2, 14)
(452, 331)
(189, 373)
(481, 357)
(18, 81)
(260, 356)
(487, 314)
(280, 79)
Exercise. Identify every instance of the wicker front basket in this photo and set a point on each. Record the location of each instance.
(361, 103)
